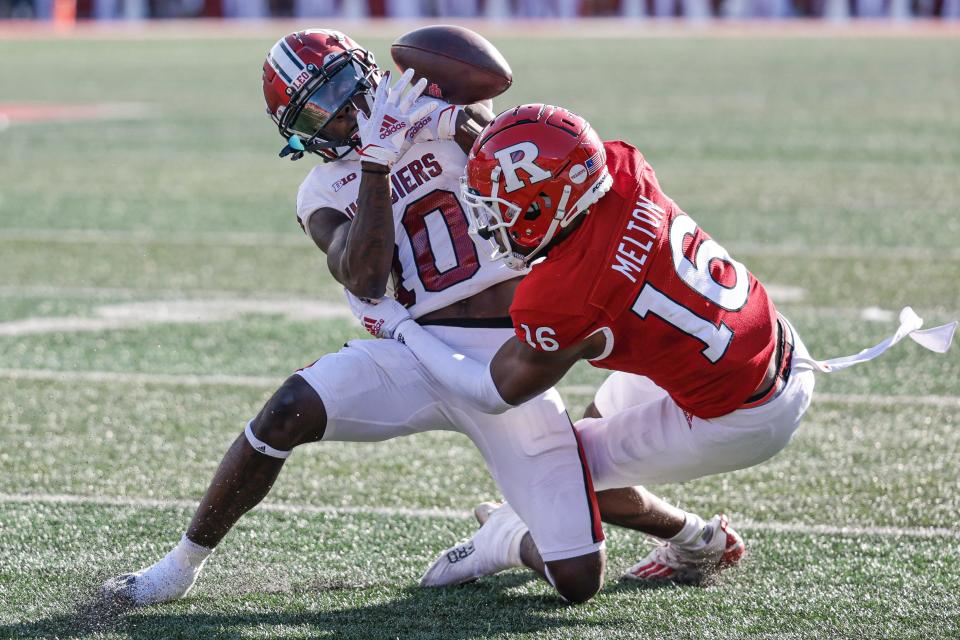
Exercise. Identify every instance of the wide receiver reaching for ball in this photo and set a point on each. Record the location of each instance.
(709, 377)
(387, 202)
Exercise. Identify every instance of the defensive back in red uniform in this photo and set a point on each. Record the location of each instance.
(674, 305)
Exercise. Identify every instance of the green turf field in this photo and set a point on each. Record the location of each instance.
(154, 288)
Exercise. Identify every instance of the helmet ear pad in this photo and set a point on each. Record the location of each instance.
(535, 210)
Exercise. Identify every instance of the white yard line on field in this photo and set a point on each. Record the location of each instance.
(278, 302)
(843, 251)
(266, 383)
(267, 240)
(52, 291)
(163, 379)
(200, 239)
(834, 530)
(154, 503)
(211, 309)
(133, 315)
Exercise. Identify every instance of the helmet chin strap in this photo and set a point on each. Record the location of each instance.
(513, 259)
(295, 147)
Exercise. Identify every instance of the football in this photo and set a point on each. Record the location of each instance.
(462, 66)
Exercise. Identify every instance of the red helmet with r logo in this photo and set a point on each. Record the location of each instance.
(531, 172)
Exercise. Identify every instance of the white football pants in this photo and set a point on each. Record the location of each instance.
(644, 437)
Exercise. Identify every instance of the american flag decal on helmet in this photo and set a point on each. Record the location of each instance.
(593, 163)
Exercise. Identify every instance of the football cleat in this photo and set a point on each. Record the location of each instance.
(161, 582)
(486, 553)
(720, 547)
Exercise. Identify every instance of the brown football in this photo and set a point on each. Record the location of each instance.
(462, 64)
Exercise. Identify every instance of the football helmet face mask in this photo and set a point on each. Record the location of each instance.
(309, 77)
(531, 172)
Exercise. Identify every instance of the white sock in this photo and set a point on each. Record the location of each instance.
(689, 535)
(189, 554)
(512, 529)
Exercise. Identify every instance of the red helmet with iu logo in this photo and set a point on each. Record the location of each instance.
(308, 78)
(531, 172)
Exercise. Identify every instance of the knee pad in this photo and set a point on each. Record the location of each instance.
(262, 446)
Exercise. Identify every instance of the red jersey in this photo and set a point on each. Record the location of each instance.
(675, 307)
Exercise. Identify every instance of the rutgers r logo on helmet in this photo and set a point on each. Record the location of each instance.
(516, 157)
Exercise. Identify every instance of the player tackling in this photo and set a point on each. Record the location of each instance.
(387, 202)
(709, 377)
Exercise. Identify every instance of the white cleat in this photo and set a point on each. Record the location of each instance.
(722, 548)
(486, 553)
(161, 582)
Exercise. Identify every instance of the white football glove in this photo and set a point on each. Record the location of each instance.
(440, 124)
(380, 317)
(393, 110)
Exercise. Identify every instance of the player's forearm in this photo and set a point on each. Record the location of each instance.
(460, 374)
(480, 112)
(470, 122)
(368, 254)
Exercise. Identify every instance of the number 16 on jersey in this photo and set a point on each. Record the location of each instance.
(696, 274)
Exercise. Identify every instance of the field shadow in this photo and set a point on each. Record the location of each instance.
(479, 610)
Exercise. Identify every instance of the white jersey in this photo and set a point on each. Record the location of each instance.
(437, 262)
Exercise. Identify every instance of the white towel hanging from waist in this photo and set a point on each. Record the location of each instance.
(935, 339)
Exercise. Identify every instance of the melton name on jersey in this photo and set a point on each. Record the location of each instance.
(673, 304)
(437, 262)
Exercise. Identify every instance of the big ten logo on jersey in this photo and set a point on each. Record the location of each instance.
(344, 181)
(414, 174)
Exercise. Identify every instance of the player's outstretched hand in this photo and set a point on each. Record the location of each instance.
(393, 112)
(441, 124)
(381, 317)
